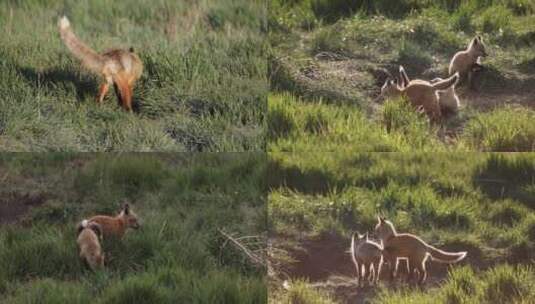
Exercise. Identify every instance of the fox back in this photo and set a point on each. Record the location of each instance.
(366, 251)
(116, 226)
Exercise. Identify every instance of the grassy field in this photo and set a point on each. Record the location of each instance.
(203, 88)
(328, 60)
(480, 203)
(177, 256)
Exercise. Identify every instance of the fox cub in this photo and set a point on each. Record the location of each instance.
(89, 237)
(118, 67)
(421, 94)
(367, 257)
(468, 61)
(447, 100)
(410, 247)
(116, 226)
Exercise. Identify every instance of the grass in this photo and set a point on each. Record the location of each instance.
(478, 203)
(203, 86)
(297, 125)
(335, 55)
(177, 255)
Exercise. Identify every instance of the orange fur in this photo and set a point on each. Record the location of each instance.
(447, 100)
(117, 66)
(463, 62)
(410, 247)
(116, 226)
(421, 94)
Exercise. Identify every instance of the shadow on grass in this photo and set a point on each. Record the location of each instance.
(308, 181)
(85, 87)
(54, 77)
(507, 177)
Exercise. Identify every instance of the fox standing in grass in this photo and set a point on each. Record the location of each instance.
(409, 246)
(116, 226)
(467, 61)
(118, 67)
(89, 236)
(368, 254)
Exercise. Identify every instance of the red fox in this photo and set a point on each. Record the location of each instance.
(421, 94)
(408, 246)
(447, 100)
(118, 67)
(368, 254)
(89, 236)
(467, 61)
(117, 226)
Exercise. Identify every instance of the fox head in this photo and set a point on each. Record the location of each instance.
(477, 47)
(390, 88)
(130, 218)
(384, 228)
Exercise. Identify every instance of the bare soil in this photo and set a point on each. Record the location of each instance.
(13, 205)
(325, 262)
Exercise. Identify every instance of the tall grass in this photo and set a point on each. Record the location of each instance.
(176, 256)
(203, 86)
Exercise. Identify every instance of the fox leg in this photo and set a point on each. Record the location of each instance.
(371, 273)
(412, 267)
(125, 93)
(377, 269)
(393, 263)
(358, 267)
(423, 273)
(104, 88)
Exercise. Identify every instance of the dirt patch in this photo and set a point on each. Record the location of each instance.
(318, 259)
(14, 205)
(326, 263)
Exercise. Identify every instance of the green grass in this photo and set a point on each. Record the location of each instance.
(176, 256)
(503, 284)
(479, 202)
(297, 125)
(203, 86)
(335, 55)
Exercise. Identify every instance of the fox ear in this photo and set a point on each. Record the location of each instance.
(382, 219)
(476, 40)
(126, 208)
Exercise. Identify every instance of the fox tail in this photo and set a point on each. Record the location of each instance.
(81, 226)
(445, 257)
(446, 83)
(90, 59)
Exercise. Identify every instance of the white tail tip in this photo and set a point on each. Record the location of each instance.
(85, 223)
(286, 285)
(64, 22)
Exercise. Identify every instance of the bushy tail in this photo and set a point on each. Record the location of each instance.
(445, 257)
(90, 59)
(446, 83)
